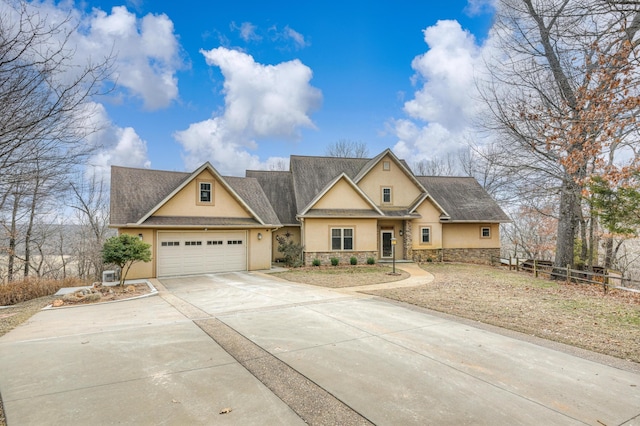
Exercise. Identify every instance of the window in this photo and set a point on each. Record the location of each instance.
(234, 242)
(214, 243)
(425, 235)
(485, 232)
(386, 166)
(341, 238)
(386, 195)
(193, 243)
(205, 192)
(170, 243)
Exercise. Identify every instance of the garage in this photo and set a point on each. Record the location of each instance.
(192, 253)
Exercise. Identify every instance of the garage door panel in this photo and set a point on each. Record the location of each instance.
(185, 253)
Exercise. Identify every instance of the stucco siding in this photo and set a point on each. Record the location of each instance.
(337, 197)
(404, 190)
(294, 235)
(185, 202)
(467, 235)
(317, 234)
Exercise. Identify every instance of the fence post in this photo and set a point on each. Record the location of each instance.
(605, 281)
(517, 265)
(535, 268)
(568, 273)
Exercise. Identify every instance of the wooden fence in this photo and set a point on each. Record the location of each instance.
(545, 269)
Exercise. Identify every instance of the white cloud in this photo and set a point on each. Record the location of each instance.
(247, 31)
(147, 53)
(113, 146)
(261, 101)
(297, 38)
(441, 113)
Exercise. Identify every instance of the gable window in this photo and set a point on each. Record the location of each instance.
(386, 166)
(425, 235)
(485, 232)
(341, 238)
(205, 192)
(386, 195)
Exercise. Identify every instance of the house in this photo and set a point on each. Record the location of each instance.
(202, 222)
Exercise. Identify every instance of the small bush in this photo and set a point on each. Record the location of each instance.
(353, 260)
(371, 261)
(292, 251)
(335, 261)
(429, 260)
(316, 262)
(32, 288)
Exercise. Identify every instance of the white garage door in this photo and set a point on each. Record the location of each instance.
(189, 253)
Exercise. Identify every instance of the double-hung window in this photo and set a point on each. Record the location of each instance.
(341, 238)
(425, 235)
(205, 192)
(386, 195)
(485, 232)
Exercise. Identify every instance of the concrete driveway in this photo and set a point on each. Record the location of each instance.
(245, 348)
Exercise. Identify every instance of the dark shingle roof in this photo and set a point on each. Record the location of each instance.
(251, 192)
(312, 174)
(170, 221)
(134, 192)
(463, 199)
(278, 187)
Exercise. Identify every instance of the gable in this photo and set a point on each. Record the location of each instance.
(405, 190)
(185, 203)
(341, 195)
(429, 211)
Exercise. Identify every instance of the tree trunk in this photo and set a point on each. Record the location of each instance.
(566, 224)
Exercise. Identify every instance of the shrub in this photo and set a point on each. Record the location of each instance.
(335, 261)
(353, 260)
(32, 288)
(292, 251)
(316, 262)
(371, 261)
(125, 250)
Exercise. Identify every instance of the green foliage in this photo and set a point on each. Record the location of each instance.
(335, 261)
(291, 250)
(371, 261)
(617, 206)
(125, 250)
(316, 262)
(353, 260)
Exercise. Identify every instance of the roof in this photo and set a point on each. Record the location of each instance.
(278, 188)
(463, 199)
(152, 187)
(311, 175)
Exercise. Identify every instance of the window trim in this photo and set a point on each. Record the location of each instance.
(386, 165)
(488, 236)
(342, 238)
(382, 201)
(422, 235)
(199, 184)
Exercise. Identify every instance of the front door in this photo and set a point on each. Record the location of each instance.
(386, 248)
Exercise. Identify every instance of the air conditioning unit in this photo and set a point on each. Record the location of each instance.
(108, 276)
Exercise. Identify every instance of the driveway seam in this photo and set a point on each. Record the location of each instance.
(312, 403)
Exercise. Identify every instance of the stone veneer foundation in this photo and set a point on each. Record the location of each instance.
(344, 256)
(465, 255)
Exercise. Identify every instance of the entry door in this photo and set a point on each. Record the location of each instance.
(386, 248)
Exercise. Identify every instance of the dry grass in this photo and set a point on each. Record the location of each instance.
(342, 276)
(33, 288)
(575, 314)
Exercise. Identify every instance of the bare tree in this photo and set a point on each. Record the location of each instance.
(347, 149)
(555, 59)
(437, 166)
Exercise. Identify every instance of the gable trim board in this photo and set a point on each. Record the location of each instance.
(315, 195)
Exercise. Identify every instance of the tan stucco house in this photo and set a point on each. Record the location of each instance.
(202, 222)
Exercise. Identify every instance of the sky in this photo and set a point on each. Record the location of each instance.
(245, 84)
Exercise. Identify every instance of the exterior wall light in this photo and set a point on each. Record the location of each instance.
(140, 237)
(259, 235)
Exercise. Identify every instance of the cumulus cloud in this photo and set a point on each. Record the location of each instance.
(261, 101)
(113, 145)
(147, 53)
(441, 112)
(247, 31)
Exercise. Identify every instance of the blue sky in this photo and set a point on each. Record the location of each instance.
(245, 84)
